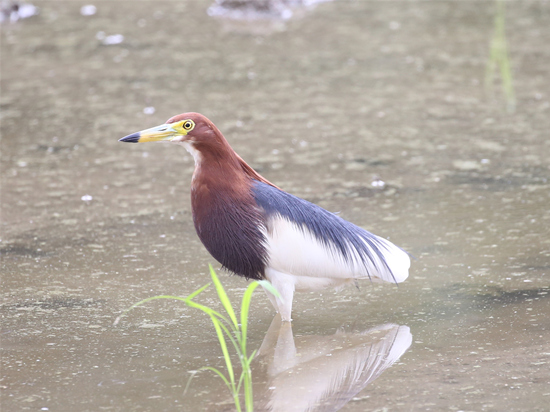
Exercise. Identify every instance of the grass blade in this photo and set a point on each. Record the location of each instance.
(217, 372)
(245, 307)
(141, 302)
(231, 389)
(225, 352)
(270, 288)
(226, 327)
(206, 309)
(223, 297)
(195, 293)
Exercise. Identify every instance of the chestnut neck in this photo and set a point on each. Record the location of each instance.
(218, 165)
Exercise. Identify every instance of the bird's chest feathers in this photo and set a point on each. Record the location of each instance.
(230, 225)
(216, 206)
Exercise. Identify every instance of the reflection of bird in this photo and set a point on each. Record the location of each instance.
(322, 373)
(258, 231)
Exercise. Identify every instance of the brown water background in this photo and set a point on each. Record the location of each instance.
(323, 105)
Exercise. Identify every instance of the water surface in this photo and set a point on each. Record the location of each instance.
(324, 104)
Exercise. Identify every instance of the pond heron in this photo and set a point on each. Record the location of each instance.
(258, 231)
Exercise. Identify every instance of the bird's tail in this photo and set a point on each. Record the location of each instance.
(392, 262)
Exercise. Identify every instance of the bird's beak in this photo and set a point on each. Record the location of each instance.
(164, 132)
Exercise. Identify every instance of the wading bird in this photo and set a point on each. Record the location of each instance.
(258, 231)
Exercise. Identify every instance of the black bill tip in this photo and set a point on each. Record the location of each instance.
(131, 138)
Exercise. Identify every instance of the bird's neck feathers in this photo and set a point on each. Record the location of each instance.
(251, 173)
(215, 160)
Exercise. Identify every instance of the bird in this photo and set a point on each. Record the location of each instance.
(258, 231)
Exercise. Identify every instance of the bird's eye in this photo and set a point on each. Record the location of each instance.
(188, 125)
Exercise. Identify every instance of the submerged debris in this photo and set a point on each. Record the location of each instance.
(258, 9)
(109, 40)
(88, 10)
(13, 11)
(378, 182)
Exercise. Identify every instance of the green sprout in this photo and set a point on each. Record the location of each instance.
(227, 328)
(499, 58)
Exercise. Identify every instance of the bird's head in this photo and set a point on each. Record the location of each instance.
(183, 128)
(202, 139)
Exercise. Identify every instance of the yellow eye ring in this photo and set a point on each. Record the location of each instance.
(188, 125)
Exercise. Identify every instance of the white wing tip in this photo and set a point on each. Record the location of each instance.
(400, 268)
(398, 262)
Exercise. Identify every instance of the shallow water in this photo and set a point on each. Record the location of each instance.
(322, 105)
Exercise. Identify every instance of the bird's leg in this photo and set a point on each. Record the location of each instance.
(272, 299)
(285, 286)
(285, 305)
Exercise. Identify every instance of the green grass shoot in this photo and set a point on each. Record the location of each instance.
(499, 58)
(229, 329)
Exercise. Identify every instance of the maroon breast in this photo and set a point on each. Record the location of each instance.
(228, 221)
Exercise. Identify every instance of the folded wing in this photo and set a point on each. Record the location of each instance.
(304, 239)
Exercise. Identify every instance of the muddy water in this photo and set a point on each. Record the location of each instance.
(325, 104)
